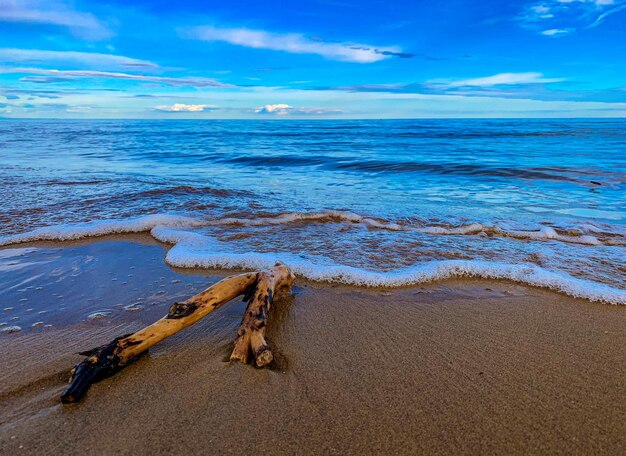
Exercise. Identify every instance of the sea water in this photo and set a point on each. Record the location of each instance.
(369, 203)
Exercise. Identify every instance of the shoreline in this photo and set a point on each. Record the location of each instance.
(179, 257)
(462, 366)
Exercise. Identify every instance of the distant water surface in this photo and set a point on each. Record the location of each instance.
(388, 202)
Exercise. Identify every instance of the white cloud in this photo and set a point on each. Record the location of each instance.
(57, 75)
(499, 79)
(54, 12)
(281, 109)
(12, 55)
(181, 107)
(295, 43)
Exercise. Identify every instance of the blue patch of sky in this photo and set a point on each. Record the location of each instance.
(313, 59)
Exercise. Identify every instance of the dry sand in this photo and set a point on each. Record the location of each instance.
(460, 367)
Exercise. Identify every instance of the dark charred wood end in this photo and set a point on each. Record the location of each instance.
(102, 362)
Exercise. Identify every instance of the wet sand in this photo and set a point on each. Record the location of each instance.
(457, 367)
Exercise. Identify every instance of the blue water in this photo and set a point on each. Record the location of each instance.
(545, 193)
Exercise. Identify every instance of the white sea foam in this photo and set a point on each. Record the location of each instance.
(542, 234)
(208, 253)
(146, 223)
(291, 217)
(612, 235)
(192, 249)
(100, 228)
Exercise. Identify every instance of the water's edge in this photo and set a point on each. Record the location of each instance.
(194, 250)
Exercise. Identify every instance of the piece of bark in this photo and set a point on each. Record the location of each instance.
(106, 360)
(251, 333)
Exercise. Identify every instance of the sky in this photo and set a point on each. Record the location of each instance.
(312, 59)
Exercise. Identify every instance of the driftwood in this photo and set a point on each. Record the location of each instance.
(258, 289)
(251, 333)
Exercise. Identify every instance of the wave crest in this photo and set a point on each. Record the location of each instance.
(192, 249)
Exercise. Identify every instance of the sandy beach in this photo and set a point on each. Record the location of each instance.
(457, 367)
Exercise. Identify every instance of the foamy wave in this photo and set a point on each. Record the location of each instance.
(100, 228)
(191, 249)
(543, 234)
(581, 236)
(291, 217)
(613, 235)
(201, 252)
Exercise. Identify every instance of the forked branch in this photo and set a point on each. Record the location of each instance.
(106, 360)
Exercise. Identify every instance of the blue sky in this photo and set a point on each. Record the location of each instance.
(312, 59)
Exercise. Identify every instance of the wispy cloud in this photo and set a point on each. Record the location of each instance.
(542, 11)
(58, 75)
(389, 88)
(556, 32)
(45, 79)
(600, 19)
(54, 12)
(181, 107)
(503, 85)
(79, 109)
(89, 59)
(561, 17)
(396, 88)
(497, 80)
(15, 94)
(295, 43)
(153, 96)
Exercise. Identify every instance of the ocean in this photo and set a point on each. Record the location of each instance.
(369, 203)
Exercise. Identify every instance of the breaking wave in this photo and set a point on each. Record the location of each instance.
(585, 234)
(192, 249)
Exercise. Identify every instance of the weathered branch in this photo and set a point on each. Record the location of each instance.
(251, 333)
(108, 359)
(258, 289)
